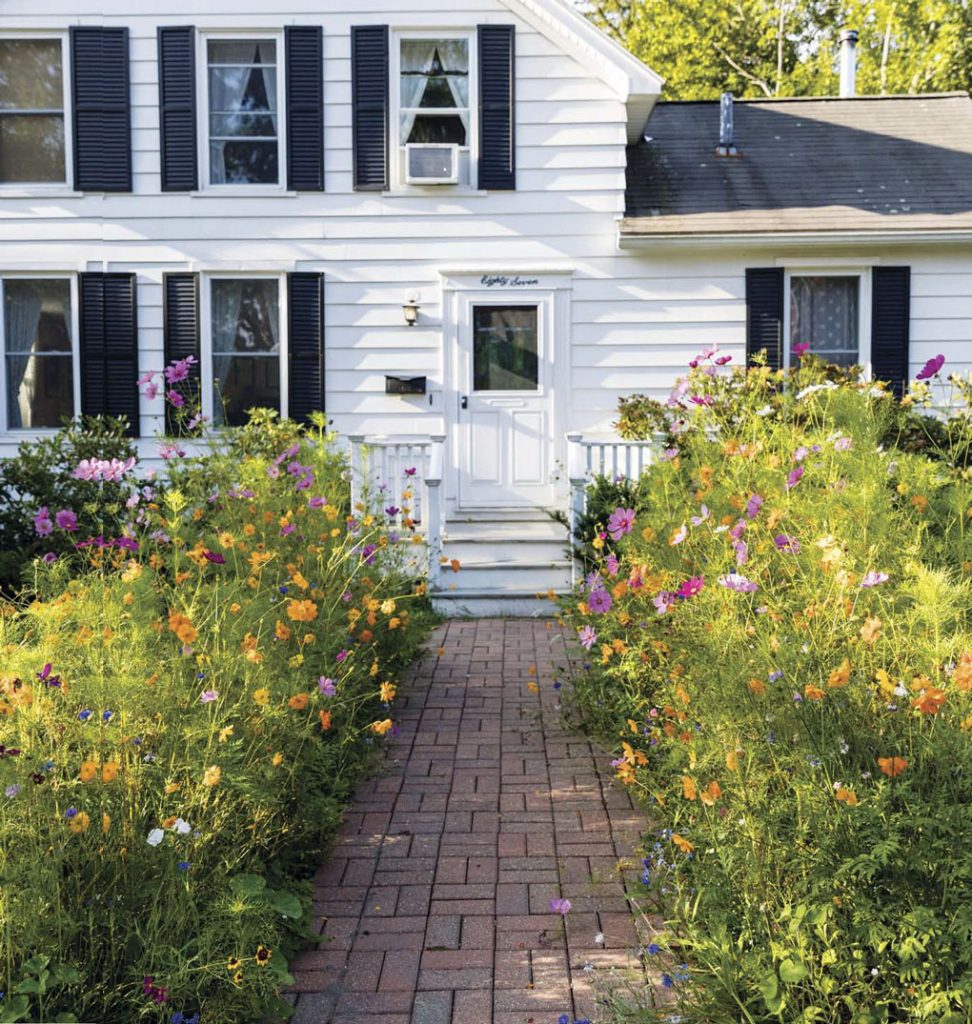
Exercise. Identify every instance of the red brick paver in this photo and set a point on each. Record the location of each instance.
(434, 907)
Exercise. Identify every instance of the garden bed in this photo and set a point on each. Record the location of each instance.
(778, 627)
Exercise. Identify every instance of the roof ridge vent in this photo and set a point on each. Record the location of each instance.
(726, 145)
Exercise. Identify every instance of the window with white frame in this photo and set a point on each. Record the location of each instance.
(825, 313)
(245, 348)
(37, 340)
(243, 111)
(33, 136)
(433, 95)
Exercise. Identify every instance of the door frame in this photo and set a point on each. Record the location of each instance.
(547, 289)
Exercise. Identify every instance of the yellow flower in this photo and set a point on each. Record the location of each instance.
(128, 598)
(226, 539)
(381, 728)
(302, 611)
(89, 769)
(224, 734)
(387, 693)
(109, 771)
(105, 822)
(388, 607)
(235, 608)
(212, 775)
(232, 963)
(847, 796)
(281, 631)
(171, 787)
(263, 956)
(871, 629)
(79, 823)
(394, 622)
(683, 844)
(277, 759)
(262, 697)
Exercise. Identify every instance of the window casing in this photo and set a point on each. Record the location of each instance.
(829, 309)
(244, 350)
(35, 135)
(434, 97)
(40, 379)
(242, 118)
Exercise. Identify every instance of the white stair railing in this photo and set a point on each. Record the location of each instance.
(586, 459)
(401, 480)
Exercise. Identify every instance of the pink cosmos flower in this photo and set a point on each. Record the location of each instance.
(42, 522)
(801, 349)
(786, 543)
(588, 637)
(600, 601)
(151, 391)
(704, 400)
(741, 549)
(702, 517)
(664, 601)
(679, 535)
(692, 586)
(560, 906)
(208, 696)
(621, 522)
(738, 530)
(734, 581)
(874, 579)
(175, 398)
(178, 369)
(794, 477)
(326, 686)
(723, 360)
(668, 455)
(753, 506)
(931, 368)
(843, 444)
(612, 565)
(66, 520)
(317, 502)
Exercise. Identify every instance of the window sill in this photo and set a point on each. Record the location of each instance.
(435, 190)
(240, 193)
(54, 192)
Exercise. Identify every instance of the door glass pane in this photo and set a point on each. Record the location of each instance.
(242, 110)
(246, 347)
(505, 348)
(39, 364)
(824, 313)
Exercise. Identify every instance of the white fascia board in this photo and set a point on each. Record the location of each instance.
(634, 82)
(806, 239)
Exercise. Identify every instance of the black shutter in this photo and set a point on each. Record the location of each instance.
(102, 121)
(369, 106)
(764, 314)
(177, 108)
(890, 325)
(180, 324)
(109, 347)
(305, 340)
(305, 108)
(497, 107)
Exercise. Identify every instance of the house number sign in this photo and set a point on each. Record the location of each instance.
(505, 281)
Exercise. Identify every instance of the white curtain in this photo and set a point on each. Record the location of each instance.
(22, 307)
(235, 90)
(417, 57)
(824, 313)
(227, 313)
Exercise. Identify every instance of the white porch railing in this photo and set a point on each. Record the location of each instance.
(587, 459)
(405, 475)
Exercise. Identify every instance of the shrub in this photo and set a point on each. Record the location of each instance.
(782, 638)
(39, 476)
(182, 719)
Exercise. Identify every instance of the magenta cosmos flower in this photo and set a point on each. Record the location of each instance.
(600, 601)
(801, 349)
(794, 477)
(692, 586)
(786, 543)
(753, 506)
(621, 522)
(42, 522)
(931, 368)
(66, 520)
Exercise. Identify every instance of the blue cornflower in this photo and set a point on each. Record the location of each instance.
(83, 716)
(564, 1018)
(107, 716)
(183, 865)
(557, 685)
(682, 973)
(283, 590)
(71, 812)
(653, 949)
(200, 675)
(667, 981)
(178, 1017)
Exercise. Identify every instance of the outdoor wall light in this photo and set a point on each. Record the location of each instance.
(411, 310)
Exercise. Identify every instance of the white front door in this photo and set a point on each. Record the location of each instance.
(505, 389)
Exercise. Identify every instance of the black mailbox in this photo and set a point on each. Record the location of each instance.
(405, 386)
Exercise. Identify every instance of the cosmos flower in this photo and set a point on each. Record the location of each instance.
(600, 601)
(874, 579)
(66, 520)
(794, 477)
(801, 349)
(326, 686)
(691, 587)
(43, 526)
(734, 581)
(560, 905)
(588, 637)
(753, 506)
(621, 522)
(931, 368)
(786, 543)
(664, 601)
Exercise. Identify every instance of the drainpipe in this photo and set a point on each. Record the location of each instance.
(848, 63)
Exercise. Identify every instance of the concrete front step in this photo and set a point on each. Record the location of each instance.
(500, 602)
(534, 577)
(509, 551)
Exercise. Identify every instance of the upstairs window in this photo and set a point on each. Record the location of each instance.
(434, 104)
(38, 353)
(243, 112)
(32, 131)
(825, 313)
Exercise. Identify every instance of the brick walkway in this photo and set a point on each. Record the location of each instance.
(434, 905)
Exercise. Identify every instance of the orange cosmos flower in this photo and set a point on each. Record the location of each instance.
(182, 627)
(302, 611)
(109, 771)
(89, 769)
(846, 796)
(962, 676)
(711, 793)
(892, 766)
(79, 823)
(682, 843)
(689, 790)
(298, 702)
(381, 728)
(930, 701)
(812, 692)
(757, 686)
(325, 720)
(840, 675)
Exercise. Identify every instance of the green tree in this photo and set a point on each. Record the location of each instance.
(790, 47)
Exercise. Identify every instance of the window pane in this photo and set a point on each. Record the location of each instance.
(32, 148)
(40, 369)
(434, 129)
(30, 74)
(244, 382)
(246, 316)
(435, 77)
(242, 107)
(824, 313)
(505, 348)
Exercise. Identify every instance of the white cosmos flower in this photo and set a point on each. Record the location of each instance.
(155, 837)
(182, 827)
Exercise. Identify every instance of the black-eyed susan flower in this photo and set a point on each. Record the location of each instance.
(232, 963)
(263, 956)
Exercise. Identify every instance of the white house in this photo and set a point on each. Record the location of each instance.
(468, 222)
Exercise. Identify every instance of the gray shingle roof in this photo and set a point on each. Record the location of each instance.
(874, 164)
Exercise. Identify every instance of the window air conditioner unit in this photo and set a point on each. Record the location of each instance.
(428, 164)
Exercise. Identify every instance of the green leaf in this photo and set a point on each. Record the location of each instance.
(248, 885)
(828, 957)
(65, 1018)
(65, 974)
(792, 972)
(770, 991)
(287, 904)
(36, 963)
(13, 1009)
(31, 985)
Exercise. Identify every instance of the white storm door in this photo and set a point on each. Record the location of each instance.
(505, 404)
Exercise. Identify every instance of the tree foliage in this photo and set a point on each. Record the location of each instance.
(790, 47)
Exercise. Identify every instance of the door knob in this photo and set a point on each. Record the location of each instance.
(464, 402)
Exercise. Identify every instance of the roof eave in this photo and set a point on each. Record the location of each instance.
(632, 241)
